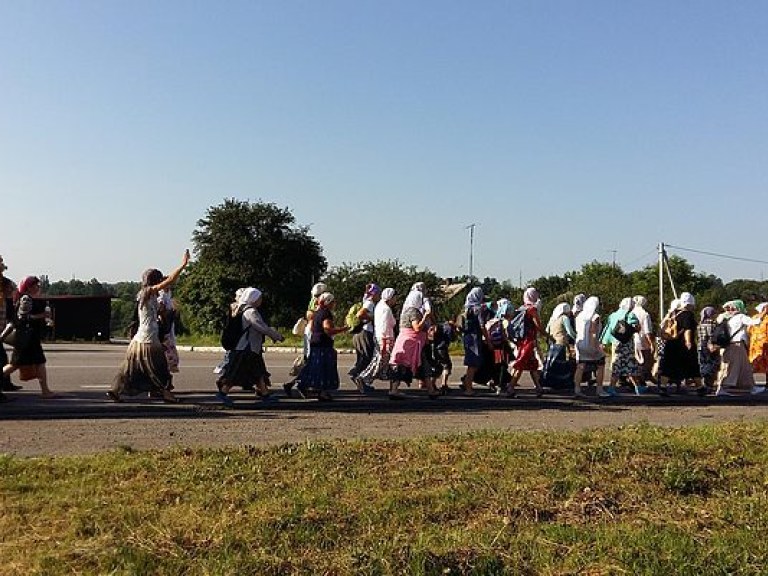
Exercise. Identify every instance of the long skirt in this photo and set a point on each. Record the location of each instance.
(624, 362)
(244, 368)
(527, 360)
(378, 369)
(144, 369)
(171, 352)
(364, 350)
(321, 370)
(735, 370)
(407, 349)
(558, 368)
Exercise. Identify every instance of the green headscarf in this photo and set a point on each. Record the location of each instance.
(740, 306)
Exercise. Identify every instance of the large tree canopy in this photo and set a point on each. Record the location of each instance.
(241, 243)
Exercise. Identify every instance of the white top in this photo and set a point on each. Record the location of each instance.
(256, 331)
(587, 346)
(384, 321)
(147, 330)
(646, 328)
(370, 307)
(740, 322)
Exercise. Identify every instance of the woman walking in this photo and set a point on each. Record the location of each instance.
(474, 338)
(363, 340)
(321, 372)
(736, 377)
(559, 365)
(758, 342)
(709, 360)
(246, 367)
(384, 337)
(145, 368)
(624, 365)
(680, 361)
(406, 353)
(28, 356)
(589, 351)
(527, 359)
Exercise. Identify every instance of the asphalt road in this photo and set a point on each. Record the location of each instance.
(82, 420)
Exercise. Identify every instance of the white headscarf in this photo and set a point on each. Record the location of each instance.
(627, 304)
(415, 299)
(531, 296)
(387, 294)
(474, 298)
(584, 319)
(760, 307)
(687, 299)
(559, 310)
(419, 287)
(578, 303)
(640, 301)
(318, 289)
(325, 298)
(249, 296)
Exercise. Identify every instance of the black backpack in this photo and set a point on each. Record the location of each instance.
(516, 326)
(233, 330)
(623, 330)
(721, 334)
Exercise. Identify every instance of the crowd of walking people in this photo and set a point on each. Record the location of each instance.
(709, 352)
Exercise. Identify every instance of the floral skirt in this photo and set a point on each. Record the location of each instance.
(624, 361)
(378, 369)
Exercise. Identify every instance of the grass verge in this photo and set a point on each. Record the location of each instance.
(638, 500)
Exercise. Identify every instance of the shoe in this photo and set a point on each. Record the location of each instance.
(641, 389)
(359, 384)
(171, 399)
(224, 399)
(249, 388)
(287, 387)
(114, 396)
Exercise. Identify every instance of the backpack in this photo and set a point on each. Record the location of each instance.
(516, 326)
(669, 328)
(233, 331)
(351, 320)
(495, 329)
(721, 334)
(623, 330)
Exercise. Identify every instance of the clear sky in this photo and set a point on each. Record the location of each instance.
(567, 131)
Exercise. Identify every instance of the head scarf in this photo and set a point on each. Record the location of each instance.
(372, 290)
(151, 277)
(318, 289)
(387, 294)
(641, 301)
(559, 310)
(674, 305)
(626, 304)
(26, 285)
(578, 303)
(419, 287)
(325, 299)
(740, 306)
(249, 296)
(238, 293)
(531, 296)
(760, 307)
(474, 299)
(707, 312)
(415, 299)
(591, 305)
(687, 299)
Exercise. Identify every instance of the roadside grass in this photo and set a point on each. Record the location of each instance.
(636, 500)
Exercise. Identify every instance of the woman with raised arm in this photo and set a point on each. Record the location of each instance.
(145, 368)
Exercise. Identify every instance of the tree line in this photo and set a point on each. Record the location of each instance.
(241, 243)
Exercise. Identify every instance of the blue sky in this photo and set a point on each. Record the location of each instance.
(565, 130)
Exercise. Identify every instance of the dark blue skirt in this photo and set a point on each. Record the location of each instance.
(320, 372)
(558, 369)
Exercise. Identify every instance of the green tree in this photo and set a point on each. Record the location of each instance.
(240, 243)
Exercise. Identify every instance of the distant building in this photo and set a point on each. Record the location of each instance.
(79, 317)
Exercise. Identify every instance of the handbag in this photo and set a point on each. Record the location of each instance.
(299, 327)
(298, 364)
(17, 336)
(623, 330)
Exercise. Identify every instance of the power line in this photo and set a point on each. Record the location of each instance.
(717, 255)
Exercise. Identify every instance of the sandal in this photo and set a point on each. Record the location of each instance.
(114, 396)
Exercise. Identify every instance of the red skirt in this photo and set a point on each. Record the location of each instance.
(526, 360)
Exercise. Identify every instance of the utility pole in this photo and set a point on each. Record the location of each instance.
(471, 229)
